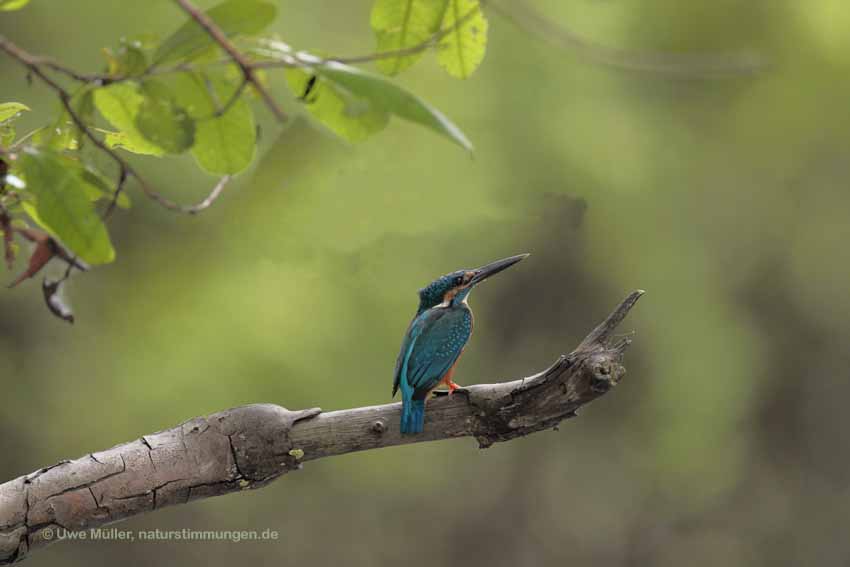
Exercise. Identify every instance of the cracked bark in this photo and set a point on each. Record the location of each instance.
(250, 446)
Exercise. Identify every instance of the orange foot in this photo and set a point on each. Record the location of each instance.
(452, 388)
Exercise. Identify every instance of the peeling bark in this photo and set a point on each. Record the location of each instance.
(250, 446)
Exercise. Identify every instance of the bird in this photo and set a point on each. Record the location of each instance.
(435, 339)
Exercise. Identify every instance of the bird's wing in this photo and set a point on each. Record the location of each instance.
(410, 337)
(437, 347)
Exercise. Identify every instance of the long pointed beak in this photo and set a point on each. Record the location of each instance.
(493, 268)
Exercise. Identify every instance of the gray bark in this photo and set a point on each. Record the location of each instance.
(250, 446)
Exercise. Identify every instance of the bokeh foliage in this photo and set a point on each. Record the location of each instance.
(724, 197)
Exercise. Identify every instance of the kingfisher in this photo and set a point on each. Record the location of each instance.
(436, 338)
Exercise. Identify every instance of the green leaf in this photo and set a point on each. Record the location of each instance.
(119, 104)
(9, 5)
(98, 187)
(233, 17)
(10, 110)
(145, 41)
(162, 121)
(385, 95)
(129, 60)
(7, 135)
(461, 51)
(402, 24)
(223, 144)
(351, 118)
(62, 205)
(134, 144)
(226, 144)
(64, 134)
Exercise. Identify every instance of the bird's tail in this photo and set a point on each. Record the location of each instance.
(412, 416)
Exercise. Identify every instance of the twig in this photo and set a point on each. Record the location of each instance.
(53, 65)
(210, 199)
(431, 41)
(103, 79)
(692, 66)
(292, 61)
(119, 188)
(232, 100)
(244, 65)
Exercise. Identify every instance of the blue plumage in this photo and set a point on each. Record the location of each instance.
(432, 347)
(436, 338)
(413, 416)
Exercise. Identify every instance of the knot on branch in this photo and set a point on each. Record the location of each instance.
(259, 440)
(604, 371)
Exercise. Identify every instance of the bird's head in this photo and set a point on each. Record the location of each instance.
(455, 287)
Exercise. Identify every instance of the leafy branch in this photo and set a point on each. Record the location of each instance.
(677, 65)
(126, 170)
(170, 97)
(191, 91)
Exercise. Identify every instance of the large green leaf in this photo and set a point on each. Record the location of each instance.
(162, 121)
(7, 135)
(119, 104)
(233, 17)
(64, 134)
(99, 188)
(224, 144)
(128, 60)
(385, 95)
(9, 110)
(62, 205)
(9, 5)
(402, 24)
(461, 51)
(349, 117)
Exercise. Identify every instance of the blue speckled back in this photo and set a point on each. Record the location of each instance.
(444, 333)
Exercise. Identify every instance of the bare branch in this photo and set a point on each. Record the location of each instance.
(687, 66)
(210, 199)
(119, 188)
(251, 446)
(232, 100)
(54, 65)
(244, 65)
(103, 79)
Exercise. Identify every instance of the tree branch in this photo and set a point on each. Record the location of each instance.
(680, 65)
(250, 446)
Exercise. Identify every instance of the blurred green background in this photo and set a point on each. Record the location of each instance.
(724, 197)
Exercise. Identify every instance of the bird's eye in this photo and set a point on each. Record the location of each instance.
(459, 280)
